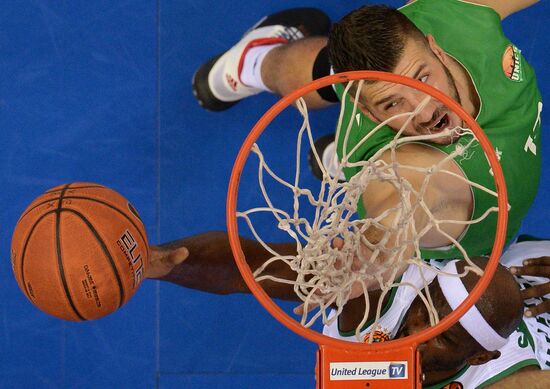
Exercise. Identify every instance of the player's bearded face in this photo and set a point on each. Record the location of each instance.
(384, 100)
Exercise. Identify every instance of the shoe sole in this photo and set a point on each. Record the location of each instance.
(202, 91)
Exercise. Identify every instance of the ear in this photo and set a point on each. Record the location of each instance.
(483, 357)
(363, 108)
(438, 51)
(368, 113)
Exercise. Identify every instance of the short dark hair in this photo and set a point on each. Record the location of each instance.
(372, 37)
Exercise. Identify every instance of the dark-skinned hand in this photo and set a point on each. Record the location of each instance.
(537, 267)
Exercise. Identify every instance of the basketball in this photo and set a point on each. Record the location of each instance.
(79, 251)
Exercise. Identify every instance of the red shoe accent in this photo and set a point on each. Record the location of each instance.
(255, 43)
(231, 81)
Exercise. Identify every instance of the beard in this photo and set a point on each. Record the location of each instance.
(441, 117)
(453, 90)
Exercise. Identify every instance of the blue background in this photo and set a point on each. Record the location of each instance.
(100, 91)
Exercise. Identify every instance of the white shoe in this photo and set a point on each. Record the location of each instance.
(224, 78)
(217, 84)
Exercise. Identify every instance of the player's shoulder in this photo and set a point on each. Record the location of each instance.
(416, 154)
(498, 7)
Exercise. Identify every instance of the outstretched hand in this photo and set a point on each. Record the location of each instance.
(537, 267)
(163, 259)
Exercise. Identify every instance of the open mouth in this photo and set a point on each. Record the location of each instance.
(441, 124)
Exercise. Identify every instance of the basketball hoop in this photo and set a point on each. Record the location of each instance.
(399, 353)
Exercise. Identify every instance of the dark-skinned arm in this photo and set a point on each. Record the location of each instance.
(205, 262)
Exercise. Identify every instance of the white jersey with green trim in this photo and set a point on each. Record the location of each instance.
(528, 345)
(515, 355)
(539, 326)
(391, 316)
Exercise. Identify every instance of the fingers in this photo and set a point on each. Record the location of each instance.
(543, 261)
(538, 309)
(169, 256)
(338, 243)
(300, 309)
(533, 267)
(163, 260)
(177, 256)
(536, 291)
(537, 267)
(531, 270)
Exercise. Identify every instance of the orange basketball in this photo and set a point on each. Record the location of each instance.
(79, 251)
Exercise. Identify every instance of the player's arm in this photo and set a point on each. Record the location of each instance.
(205, 262)
(505, 7)
(447, 198)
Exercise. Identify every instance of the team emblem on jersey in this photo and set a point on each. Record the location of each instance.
(377, 337)
(511, 63)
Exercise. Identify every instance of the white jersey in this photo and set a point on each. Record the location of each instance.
(391, 316)
(528, 345)
(539, 326)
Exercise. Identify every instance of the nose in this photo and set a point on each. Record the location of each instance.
(429, 111)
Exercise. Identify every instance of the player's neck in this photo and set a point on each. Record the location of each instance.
(465, 86)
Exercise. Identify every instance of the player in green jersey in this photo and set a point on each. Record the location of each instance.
(470, 70)
(245, 70)
(455, 46)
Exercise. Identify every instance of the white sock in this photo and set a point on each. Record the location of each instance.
(251, 74)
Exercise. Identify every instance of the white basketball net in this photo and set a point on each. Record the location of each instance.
(324, 274)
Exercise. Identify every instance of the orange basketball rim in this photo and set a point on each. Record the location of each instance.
(333, 351)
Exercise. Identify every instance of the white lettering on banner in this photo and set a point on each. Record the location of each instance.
(354, 371)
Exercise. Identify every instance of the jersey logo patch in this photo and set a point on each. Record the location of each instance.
(511, 63)
(377, 337)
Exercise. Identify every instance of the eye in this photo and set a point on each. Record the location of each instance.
(423, 78)
(391, 104)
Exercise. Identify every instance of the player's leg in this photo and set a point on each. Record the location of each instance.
(279, 54)
(288, 67)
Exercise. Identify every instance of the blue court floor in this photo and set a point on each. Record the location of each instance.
(99, 91)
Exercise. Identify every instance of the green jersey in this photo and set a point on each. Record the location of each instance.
(509, 114)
